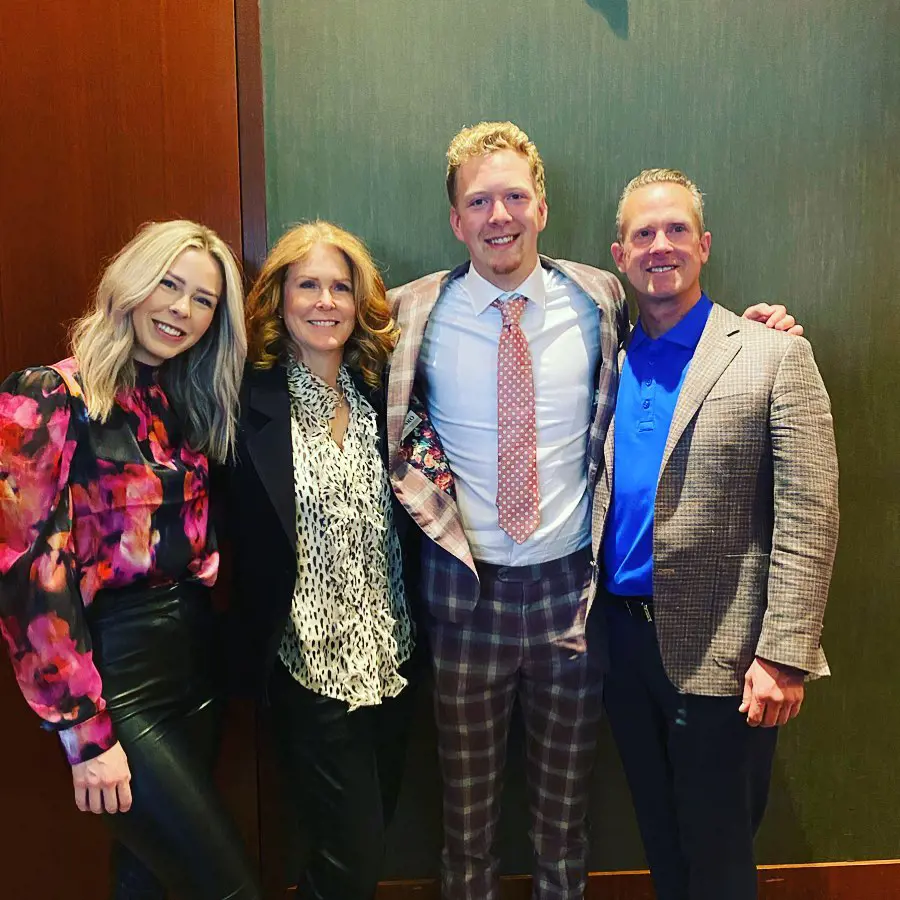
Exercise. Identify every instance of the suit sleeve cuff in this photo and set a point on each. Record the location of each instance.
(88, 739)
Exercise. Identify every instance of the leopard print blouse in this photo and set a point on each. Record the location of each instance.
(349, 628)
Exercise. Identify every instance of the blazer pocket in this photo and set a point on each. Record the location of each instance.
(730, 433)
(748, 394)
(728, 392)
(730, 410)
(738, 608)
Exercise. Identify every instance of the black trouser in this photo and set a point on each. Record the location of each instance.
(343, 770)
(698, 773)
(156, 653)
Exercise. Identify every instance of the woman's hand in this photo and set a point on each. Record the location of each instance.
(103, 783)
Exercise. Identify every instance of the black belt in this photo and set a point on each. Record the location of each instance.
(638, 607)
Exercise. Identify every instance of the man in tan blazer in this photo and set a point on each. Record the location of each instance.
(715, 518)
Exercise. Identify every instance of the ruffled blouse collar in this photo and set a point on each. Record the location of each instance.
(320, 399)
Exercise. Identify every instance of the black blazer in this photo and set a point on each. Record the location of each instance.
(261, 523)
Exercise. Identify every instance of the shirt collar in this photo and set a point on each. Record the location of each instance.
(686, 333)
(482, 293)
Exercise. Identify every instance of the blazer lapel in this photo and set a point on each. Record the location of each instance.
(603, 487)
(432, 509)
(609, 444)
(718, 346)
(412, 314)
(267, 423)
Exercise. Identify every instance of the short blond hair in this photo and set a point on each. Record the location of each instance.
(374, 335)
(661, 176)
(489, 137)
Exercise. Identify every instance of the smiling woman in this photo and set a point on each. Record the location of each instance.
(110, 339)
(322, 603)
(106, 555)
(319, 310)
(180, 308)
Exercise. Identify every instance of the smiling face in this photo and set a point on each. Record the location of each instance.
(319, 308)
(662, 249)
(179, 310)
(498, 216)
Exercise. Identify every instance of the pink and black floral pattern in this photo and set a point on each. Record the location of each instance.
(86, 506)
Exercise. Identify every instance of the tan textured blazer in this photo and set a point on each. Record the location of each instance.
(746, 517)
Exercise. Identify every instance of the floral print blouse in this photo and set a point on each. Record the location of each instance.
(86, 507)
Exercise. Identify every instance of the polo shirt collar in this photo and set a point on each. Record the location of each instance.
(686, 333)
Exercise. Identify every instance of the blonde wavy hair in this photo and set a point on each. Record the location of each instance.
(374, 335)
(661, 176)
(489, 137)
(202, 383)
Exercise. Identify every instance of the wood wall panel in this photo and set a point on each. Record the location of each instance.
(251, 134)
(111, 114)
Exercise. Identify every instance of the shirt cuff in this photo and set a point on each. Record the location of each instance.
(88, 739)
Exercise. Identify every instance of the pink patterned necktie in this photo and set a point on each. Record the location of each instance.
(517, 477)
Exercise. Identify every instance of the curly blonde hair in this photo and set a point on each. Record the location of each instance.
(489, 137)
(374, 335)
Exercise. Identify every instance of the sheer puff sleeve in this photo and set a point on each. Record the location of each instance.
(41, 613)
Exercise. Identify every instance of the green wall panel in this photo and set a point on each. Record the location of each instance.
(787, 114)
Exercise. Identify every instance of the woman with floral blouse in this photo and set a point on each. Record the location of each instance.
(325, 621)
(106, 557)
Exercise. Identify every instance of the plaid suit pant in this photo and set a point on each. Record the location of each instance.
(518, 642)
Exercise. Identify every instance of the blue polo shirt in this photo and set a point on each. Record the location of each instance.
(649, 386)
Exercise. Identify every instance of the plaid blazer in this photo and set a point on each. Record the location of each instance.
(746, 517)
(449, 583)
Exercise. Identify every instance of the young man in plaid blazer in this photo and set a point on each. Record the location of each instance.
(716, 521)
(506, 612)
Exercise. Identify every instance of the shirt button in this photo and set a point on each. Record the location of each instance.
(646, 404)
(649, 382)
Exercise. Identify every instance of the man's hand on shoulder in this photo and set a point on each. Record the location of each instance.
(773, 694)
(776, 317)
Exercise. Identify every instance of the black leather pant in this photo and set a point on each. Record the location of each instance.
(343, 770)
(156, 653)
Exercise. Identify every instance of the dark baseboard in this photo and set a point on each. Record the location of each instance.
(869, 880)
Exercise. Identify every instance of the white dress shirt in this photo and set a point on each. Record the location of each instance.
(458, 368)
